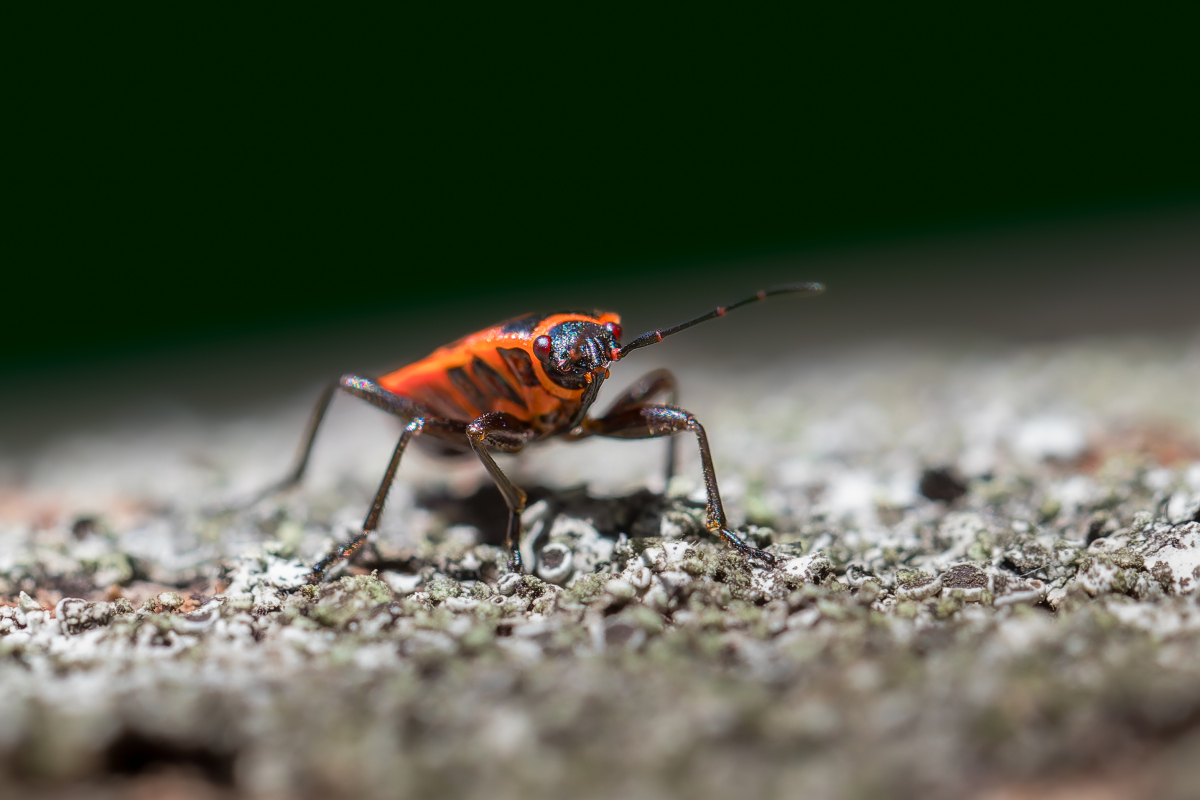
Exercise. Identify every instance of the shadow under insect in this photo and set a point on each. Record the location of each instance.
(567, 532)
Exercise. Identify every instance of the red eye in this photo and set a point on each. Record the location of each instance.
(615, 330)
(541, 347)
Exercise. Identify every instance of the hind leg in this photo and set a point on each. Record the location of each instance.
(350, 547)
(418, 420)
(362, 388)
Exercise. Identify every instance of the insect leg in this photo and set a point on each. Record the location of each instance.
(376, 395)
(350, 547)
(500, 431)
(653, 421)
(652, 384)
(363, 388)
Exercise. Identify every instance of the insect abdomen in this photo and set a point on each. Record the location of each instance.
(466, 381)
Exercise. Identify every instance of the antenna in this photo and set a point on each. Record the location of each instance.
(653, 337)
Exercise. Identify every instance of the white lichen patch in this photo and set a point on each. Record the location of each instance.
(811, 568)
(1009, 590)
(1172, 556)
(1184, 507)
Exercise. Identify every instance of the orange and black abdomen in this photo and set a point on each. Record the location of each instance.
(493, 370)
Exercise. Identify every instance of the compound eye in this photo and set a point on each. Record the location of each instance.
(615, 330)
(541, 347)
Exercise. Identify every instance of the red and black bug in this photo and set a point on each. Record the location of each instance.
(524, 380)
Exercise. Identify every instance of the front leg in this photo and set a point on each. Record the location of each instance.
(654, 421)
(656, 383)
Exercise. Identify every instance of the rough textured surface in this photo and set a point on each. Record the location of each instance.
(988, 588)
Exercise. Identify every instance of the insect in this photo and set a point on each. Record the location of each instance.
(519, 382)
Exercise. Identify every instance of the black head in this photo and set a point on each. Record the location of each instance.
(575, 352)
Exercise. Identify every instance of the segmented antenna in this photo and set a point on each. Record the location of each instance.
(653, 337)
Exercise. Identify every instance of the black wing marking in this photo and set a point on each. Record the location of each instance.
(520, 364)
(494, 382)
(474, 395)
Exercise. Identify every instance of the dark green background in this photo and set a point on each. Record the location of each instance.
(190, 178)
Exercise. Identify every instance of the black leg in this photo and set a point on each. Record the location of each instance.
(418, 420)
(504, 432)
(363, 388)
(652, 384)
(349, 548)
(653, 421)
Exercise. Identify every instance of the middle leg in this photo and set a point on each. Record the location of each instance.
(654, 421)
(499, 431)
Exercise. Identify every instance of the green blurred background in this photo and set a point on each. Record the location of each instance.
(203, 181)
(195, 176)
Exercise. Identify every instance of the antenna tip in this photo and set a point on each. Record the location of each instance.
(809, 287)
